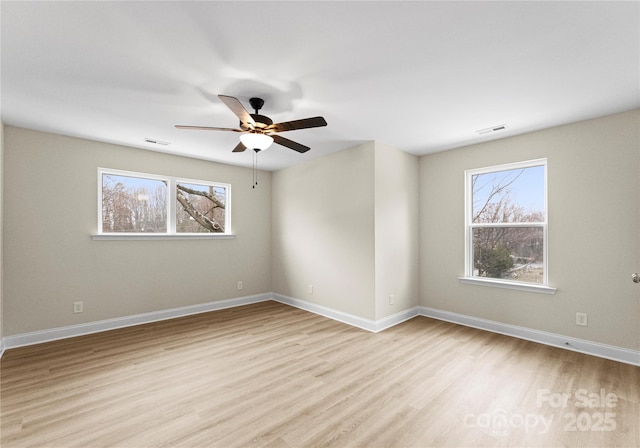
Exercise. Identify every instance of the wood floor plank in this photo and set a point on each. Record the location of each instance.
(269, 375)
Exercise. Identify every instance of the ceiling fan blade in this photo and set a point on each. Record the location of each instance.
(207, 128)
(237, 108)
(305, 123)
(239, 148)
(290, 143)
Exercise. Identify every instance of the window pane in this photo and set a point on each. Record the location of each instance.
(133, 204)
(511, 253)
(509, 196)
(200, 208)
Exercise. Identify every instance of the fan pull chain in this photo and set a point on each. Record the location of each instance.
(255, 168)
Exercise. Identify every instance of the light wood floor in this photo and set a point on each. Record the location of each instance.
(274, 376)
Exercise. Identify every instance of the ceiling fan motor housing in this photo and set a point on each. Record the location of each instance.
(261, 121)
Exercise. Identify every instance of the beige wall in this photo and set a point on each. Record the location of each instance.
(1, 232)
(594, 228)
(347, 224)
(50, 260)
(358, 225)
(323, 231)
(396, 230)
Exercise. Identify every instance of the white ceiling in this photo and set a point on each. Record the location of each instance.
(419, 76)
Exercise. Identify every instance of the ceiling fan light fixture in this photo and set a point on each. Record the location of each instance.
(256, 141)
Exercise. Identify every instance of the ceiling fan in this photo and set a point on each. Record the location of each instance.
(257, 131)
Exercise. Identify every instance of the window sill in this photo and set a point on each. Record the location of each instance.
(529, 287)
(157, 236)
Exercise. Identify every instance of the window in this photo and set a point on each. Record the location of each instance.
(133, 204)
(506, 224)
(140, 204)
(200, 208)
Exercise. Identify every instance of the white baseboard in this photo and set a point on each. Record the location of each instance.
(351, 319)
(38, 337)
(620, 354)
(53, 334)
(579, 345)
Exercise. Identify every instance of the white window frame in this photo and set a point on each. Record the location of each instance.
(171, 209)
(468, 277)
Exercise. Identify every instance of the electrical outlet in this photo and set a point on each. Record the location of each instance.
(310, 289)
(581, 319)
(240, 285)
(392, 299)
(78, 307)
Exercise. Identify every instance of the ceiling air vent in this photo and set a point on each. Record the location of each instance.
(156, 142)
(496, 128)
